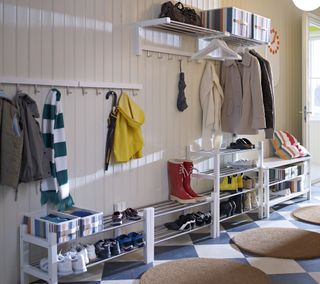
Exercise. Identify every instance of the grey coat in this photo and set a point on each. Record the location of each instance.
(35, 163)
(242, 109)
(11, 142)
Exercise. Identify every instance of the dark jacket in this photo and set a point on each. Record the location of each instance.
(11, 141)
(35, 163)
(268, 93)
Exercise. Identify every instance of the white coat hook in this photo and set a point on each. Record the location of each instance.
(180, 58)
(149, 54)
(160, 56)
(135, 92)
(170, 57)
(84, 91)
(98, 91)
(69, 92)
(36, 90)
(18, 88)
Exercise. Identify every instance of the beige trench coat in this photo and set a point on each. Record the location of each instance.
(211, 98)
(242, 109)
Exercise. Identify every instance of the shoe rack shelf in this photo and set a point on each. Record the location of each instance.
(274, 163)
(163, 234)
(219, 172)
(27, 268)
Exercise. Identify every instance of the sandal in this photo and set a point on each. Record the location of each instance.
(131, 214)
(248, 142)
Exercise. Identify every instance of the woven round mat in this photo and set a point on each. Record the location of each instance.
(310, 214)
(204, 271)
(280, 242)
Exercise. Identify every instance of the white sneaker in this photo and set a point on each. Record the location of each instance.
(82, 250)
(91, 252)
(44, 264)
(78, 264)
(64, 265)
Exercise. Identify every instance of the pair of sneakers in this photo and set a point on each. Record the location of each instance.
(130, 241)
(107, 248)
(67, 264)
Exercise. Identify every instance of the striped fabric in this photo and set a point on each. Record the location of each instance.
(287, 146)
(56, 188)
(230, 19)
(261, 28)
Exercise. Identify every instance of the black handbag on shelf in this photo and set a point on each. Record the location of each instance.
(180, 13)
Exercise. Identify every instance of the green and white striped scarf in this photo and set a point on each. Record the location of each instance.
(56, 188)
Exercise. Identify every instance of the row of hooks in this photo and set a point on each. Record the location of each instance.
(169, 56)
(99, 91)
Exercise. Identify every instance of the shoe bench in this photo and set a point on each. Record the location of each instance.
(50, 244)
(290, 174)
(219, 171)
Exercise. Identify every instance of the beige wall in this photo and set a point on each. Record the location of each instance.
(91, 41)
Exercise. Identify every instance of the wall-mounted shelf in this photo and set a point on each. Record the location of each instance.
(201, 33)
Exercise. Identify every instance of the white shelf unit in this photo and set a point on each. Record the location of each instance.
(201, 33)
(27, 268)
(217, 172)
(274, 162)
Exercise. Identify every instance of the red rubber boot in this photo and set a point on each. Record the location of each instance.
(175, 177)
(188, 165)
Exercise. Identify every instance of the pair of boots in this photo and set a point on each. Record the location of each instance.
(179, 176)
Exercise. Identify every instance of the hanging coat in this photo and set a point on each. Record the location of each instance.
(11, 142)
(242, 109)
(35, 163)
(128, 139)
(211, 99)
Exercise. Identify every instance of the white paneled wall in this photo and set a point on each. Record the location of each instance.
(91, 41)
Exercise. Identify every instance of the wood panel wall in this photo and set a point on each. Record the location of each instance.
(91, 41)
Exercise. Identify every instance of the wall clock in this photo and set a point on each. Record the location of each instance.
(274, 45)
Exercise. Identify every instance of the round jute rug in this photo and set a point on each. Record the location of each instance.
(280, 242)
(310, 214)
(204, 271)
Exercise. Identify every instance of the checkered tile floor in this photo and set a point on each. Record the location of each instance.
(282, 271)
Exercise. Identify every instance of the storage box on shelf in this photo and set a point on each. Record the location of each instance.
(91, 221)
(261, 28)
(219, 172)
(284, 180)
(66, 228)
(51, 245)
(229, 19)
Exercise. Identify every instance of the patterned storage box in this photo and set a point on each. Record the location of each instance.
(66, 230)
(91, 224)
(261, 28)
(230, 19)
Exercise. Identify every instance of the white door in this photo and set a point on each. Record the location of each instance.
(311, 90)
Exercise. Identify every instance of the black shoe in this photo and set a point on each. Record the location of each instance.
(225, 209)
(182, 224)
(234, 206)
(239, 204)
(103, 249)
(114, 247)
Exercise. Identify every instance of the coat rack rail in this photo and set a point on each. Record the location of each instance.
(69, 84)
